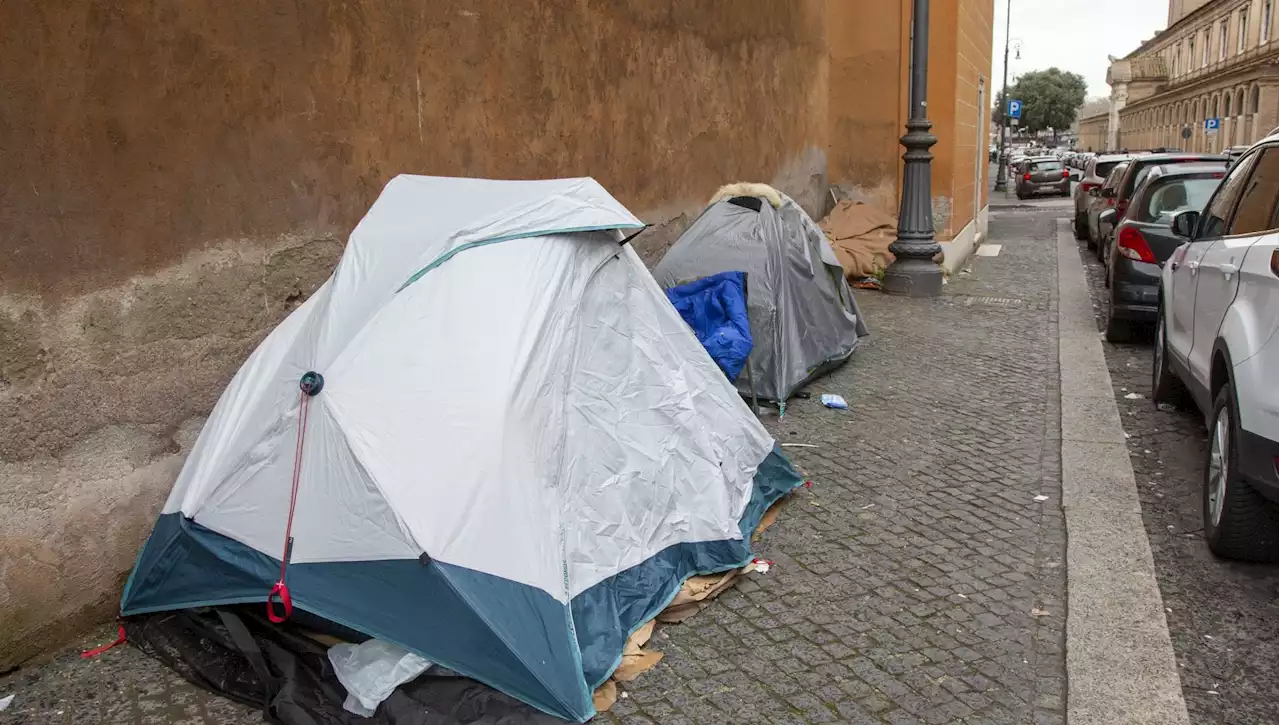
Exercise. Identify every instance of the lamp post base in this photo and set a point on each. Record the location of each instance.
(913, 277)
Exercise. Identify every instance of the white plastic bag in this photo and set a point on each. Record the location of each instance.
(371, 671)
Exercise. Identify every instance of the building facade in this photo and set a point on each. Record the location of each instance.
(1093, 132)
(179, 176)
(1206, 83)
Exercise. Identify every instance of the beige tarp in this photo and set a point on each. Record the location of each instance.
(860, 235)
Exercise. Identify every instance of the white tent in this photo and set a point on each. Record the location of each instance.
(514, 428)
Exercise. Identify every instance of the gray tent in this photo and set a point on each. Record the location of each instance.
(804, 320)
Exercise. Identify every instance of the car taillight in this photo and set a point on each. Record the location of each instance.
(1087, 186)
(1275, 262)
(1217, 174)
(1130, 243)
(1066, 174)
(1026, 177)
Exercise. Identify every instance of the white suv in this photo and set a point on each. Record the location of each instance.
(1216, 340)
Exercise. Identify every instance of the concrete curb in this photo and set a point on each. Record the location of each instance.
(1120, 662)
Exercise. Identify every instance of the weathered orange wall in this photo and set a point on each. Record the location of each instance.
(973, 30)
(178, 175)
(870, 64)
(868, 98)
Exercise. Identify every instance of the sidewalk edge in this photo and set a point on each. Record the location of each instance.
(1120, 661)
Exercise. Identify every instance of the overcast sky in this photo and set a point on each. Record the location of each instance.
(1074, 35)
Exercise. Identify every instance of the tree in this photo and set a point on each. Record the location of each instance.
(1050, 98)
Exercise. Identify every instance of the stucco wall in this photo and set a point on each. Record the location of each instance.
(870, 62)
(178, 176)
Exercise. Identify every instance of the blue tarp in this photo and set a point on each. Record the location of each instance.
(716, 308)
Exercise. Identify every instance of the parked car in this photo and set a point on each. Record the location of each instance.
(1138, 168)
(1043, 175)
(1102, 198)
(1216, 343)
(1143, 239)
(1095, 173)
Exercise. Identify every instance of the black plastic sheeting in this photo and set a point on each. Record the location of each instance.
(236, 653)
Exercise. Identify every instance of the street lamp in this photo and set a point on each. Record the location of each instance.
(914, 273)
(1002, 171)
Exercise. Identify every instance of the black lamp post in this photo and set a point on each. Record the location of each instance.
(1002, 164)
(914, 273)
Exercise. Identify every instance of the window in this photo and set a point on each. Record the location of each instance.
(1264, 33)
(1204, 56)
(1214, 221)
(1191, 52)
(1226, 106)
(1222, 39)
(1177, 60)
(1258, 200)
(1255, 100)
(1167, 198)
(1242, 29)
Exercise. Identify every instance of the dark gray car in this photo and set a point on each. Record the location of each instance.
(1043, 175)
(1143, 239)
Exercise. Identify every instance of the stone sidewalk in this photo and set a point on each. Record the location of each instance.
(918, 581)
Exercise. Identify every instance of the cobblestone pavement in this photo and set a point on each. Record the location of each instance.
(918, 581)
(1222, 615)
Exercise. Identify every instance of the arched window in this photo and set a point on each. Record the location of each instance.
(1214, 108)
(1240, 101)
(1253, 105)
(1226, 105)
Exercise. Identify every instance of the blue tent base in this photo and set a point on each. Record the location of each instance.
(511, 636)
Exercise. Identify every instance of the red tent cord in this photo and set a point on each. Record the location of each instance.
(99, 650)
(280, 589)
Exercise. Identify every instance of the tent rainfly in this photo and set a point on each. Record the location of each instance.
(487, 438)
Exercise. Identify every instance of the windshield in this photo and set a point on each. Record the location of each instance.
(1046, 166)
(1174, 196)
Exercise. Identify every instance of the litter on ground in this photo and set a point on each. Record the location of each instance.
(831, 400)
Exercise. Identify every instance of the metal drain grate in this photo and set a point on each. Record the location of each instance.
(995, 301)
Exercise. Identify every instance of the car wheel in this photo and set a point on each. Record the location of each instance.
(1082, 227)
(1118, 330)
(1237, 521)
(1165, 385)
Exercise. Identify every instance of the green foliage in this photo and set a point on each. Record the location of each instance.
(1050, 98)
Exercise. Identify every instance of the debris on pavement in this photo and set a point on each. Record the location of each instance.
(1166, 407)
(6, 701)
(371, 670)
(1038, 612)
(1133, 396)
(798, 445)
(1041, 497)
(831, 400)
(759, 565)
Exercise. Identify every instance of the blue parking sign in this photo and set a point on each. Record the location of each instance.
(1212, 124)
(1015, 109)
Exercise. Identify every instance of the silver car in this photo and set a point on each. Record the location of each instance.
(1095, 172)
(1216, 346)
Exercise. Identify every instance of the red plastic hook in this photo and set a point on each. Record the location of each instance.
(281, 590)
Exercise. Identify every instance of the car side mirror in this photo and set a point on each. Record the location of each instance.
(1108, 216)
(1107, 193)
(1094, 191)
(1184, 225)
